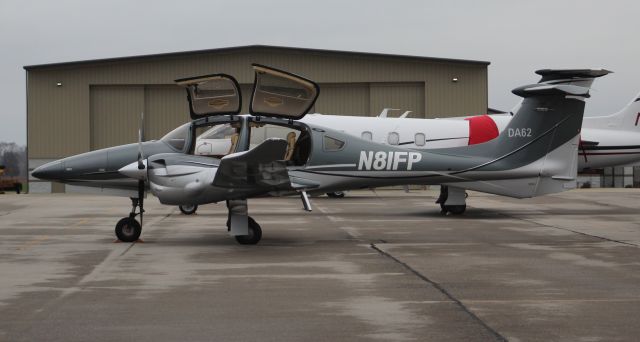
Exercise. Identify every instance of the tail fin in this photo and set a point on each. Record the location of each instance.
(538, 148)
(627, 119)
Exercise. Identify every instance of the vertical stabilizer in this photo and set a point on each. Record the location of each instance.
(627, 119)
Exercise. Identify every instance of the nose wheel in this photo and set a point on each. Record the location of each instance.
(128, 229)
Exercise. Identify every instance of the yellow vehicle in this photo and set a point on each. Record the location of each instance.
(9, 183)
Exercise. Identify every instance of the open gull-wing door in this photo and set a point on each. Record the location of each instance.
(277, 93)
(210, 95)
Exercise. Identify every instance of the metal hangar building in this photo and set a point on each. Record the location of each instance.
(76, 107)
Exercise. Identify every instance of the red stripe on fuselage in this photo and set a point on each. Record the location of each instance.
(482, 128)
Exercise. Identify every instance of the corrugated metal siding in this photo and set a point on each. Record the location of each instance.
(115, 115)
(343, 99)
(164, 110)
(403, 96)
(59, 120)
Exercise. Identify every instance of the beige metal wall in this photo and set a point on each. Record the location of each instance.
(98, 103)
(113, 114)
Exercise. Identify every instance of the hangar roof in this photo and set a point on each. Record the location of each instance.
(249, 47)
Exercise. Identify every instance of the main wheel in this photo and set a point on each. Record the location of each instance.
(456, 209)
(128, 230)
(336, 194)
(255, 234)
(188, 209)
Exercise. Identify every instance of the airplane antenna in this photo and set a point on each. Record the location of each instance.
(405, 114)
(385, 111)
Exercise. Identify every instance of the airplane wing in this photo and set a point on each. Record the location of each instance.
(260, 169)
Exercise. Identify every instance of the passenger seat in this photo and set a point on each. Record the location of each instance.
(291, 143)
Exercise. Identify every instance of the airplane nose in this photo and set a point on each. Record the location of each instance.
(49, 171)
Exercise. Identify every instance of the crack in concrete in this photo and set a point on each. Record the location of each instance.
(444, 291)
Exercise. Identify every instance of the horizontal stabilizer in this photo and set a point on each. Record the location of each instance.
(261, 168)
(564, 74)
(545, 89)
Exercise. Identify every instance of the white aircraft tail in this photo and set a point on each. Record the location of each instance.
(627, 119)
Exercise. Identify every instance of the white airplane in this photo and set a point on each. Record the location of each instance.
(608, 140)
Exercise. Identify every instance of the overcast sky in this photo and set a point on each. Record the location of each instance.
(517, 37)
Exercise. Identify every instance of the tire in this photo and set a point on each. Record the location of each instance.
(456, 209)
(188, 209)
(128, 230)
(255, 234)
(335, 194)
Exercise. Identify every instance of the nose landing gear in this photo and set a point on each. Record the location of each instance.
(128, 229)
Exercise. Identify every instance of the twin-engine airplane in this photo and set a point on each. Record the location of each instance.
(540, 160)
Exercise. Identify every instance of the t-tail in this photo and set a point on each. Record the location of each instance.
(575, 77)
(536, 153)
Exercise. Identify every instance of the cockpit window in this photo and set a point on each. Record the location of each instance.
(332, 144)
(178, 137)
(217, 141)
(219, 132)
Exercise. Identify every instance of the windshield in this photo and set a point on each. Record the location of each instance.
(178, 137)
(219, 132)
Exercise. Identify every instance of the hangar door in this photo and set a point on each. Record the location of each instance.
(115, 112)
(369, 99)
(343, 99)
(166, 108)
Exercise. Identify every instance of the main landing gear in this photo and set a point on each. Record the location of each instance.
(188, 209)
(452, 200)
(242, 226)
(128, 229)
(255, 233)
(335, 194)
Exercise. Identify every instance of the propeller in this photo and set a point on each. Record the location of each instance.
(141, 166)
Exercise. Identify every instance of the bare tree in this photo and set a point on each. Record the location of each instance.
(14, 159)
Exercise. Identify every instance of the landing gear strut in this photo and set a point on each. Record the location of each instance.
(128, 229)
(255, 234)
(242, 226)
(452, 200)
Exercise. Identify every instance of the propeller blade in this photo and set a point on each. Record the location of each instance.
(141, 165)
(141, 199)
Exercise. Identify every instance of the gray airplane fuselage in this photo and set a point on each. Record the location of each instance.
(99, 168)
(176, 177)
